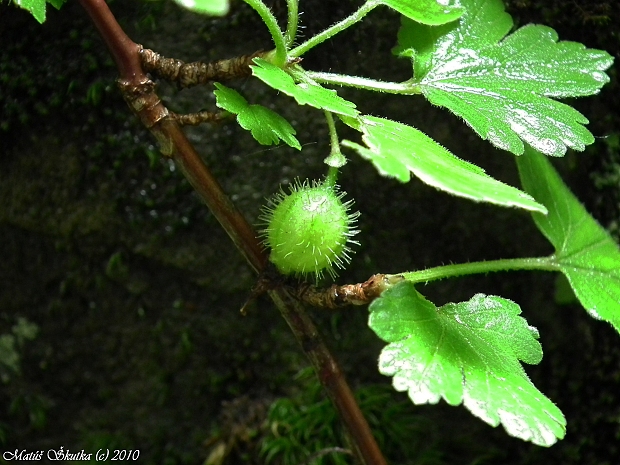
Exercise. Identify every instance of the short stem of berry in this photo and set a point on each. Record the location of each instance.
(448, 271)
(333, 30)
(276, 33)
(335, 159)
(332, 176)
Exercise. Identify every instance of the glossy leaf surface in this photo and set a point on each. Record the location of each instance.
(208, 7)
(502, 86)
(305, 93)
(584, 251)
(266, 126)
(467, 353)
(397, 150)
(429, 12)
(35, 7)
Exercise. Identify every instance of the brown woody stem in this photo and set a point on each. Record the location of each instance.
(139, 92)
(194, 119)
(339, 296)
(330, 377)
(196, 73)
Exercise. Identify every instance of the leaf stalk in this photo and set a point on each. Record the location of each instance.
(335, 159)
(331, 31)
(291, 25)
(460, 269)
(270, 21)
(405, 88)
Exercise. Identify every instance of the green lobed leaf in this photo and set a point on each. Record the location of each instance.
(306, 93)
(467, 353)
(266, 126)
(397, 150)
(584, 251)
(501, 88)
(431, 12)
(208, 7)
(35, 7)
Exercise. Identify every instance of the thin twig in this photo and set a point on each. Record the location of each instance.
(194, 119)
(196, 73)
(338, 296)
(139, 93)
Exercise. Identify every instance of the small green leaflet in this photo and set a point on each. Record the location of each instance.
(37, 7)
(266, 126)
(584, 251)
(502, 88)
(431, 12)
(397, 150)
(306, 93)
(207, 7)
(468, 353)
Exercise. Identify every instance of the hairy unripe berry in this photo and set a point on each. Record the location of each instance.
(309, 230)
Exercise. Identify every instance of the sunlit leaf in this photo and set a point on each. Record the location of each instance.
(431, 12)
(467, 353)
(35, 7)
(502, 88)
(208, 7)
(57, 3)
(266, 126)
(584, 251)
(397, 150)
(306, 93)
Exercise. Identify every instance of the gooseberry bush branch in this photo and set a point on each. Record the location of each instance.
(280, 39)
(139, 92)
(505, 86)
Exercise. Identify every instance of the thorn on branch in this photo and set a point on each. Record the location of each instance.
(268, 280)
(195, 73)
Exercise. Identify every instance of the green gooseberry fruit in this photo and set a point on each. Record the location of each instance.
(309, 230)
